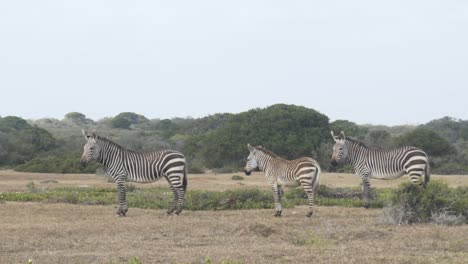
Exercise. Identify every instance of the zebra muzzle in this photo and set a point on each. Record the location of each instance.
(247, 172)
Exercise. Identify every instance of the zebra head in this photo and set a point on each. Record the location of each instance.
(340, 149)
(252, 163)
(91, 148)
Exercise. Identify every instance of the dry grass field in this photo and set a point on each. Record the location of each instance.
(17, 181)
(65, 233)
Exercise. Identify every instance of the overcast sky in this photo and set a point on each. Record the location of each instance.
(379, 62)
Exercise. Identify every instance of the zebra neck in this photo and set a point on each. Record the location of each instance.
(355, 152)
(264, 161)
(111, 154)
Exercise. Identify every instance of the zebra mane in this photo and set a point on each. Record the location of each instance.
(107, 140)
(357, 142)
(267, 151)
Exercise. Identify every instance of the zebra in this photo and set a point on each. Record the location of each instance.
(126, 165)
(380, 163)
(279, 172)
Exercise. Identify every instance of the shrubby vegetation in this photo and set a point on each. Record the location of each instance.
(218, 142)
(436, 203)
(20, 141)
(57, 164)
(159, 198)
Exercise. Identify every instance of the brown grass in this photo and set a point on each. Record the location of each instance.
(63, 233)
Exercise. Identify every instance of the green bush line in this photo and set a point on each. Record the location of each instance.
(436, 203)
(159, 198)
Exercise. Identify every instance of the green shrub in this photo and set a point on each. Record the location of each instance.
(196, 168)
(413, 204)
(57, 164)
(237, 178)
(160, 198)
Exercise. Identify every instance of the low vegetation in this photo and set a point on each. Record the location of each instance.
(436, 203)
(159, 198)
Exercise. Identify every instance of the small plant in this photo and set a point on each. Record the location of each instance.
(237, 178)
(310, 239)
(134, 260)
(32, 187)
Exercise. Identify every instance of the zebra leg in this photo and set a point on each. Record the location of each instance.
(180, 199)
(276, 196)
(366, 190)
(280, 193)
(123, 208)
(173, 204)
(175, 181)
(309, 190)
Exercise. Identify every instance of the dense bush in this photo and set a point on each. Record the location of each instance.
(126, 119)
(429, 141)
(413, 204)
(57, 164)
(288, 130)
(20, 142)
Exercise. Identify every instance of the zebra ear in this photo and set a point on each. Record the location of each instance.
(94, 133)
(84, 134)
(343, 137)
(333, 136)
(250, 147)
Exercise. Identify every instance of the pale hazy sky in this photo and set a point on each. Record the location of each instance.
(380, 62)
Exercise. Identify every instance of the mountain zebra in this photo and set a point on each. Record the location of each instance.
(280, 172)
(380, 163)
(126, 165)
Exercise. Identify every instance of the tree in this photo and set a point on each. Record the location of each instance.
(378, 139)
(20, 142)
(290, 131)
(126, 119)
(427, 140)
(350, 128)
(78, 119)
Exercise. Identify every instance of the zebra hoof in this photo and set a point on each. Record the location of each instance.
(309, 214)
(365, 206)
(278, 214)
(122, 211)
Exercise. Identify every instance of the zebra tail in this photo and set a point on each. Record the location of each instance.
(317, 179)
(184, 180)
(427, 174)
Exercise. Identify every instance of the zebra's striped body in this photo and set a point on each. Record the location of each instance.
(126, 165)
(380, 163)
(279, 172)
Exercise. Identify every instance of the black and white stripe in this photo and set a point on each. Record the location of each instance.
(126, 165)
(381, 163)
(280, 172)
